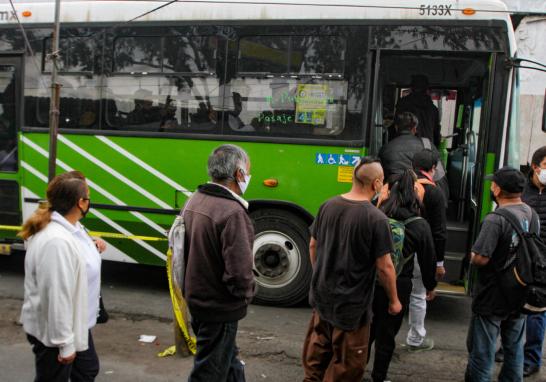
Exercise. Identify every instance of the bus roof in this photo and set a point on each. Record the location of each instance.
(75, 11)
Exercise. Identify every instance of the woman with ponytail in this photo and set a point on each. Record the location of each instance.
(62, 284)
(402, 205)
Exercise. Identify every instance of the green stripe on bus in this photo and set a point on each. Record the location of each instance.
(486, 197)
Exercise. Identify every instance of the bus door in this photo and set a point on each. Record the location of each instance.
(10, 123)
(460, 88)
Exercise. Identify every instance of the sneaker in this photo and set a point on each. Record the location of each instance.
(427, 344)
(529, 370)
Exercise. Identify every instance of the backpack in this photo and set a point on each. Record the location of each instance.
(176, 246)
(398, 232)
(523, 275)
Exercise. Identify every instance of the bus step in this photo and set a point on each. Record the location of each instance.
(457, 237)
(450, 289)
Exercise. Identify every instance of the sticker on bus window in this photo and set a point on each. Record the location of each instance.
(345, 174)
(312, 101)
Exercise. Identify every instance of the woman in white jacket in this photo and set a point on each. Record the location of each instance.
(62, 284)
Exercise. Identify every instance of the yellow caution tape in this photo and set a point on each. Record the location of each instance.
(110, 235)
(10, 228)
(171, 350)
(107, 235)
(180, 308)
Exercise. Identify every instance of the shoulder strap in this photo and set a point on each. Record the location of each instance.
(426, 143)
(411, 220)
(511, 219)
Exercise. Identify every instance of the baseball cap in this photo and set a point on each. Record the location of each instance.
(508, 179)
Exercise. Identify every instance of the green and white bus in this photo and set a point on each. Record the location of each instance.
(305, 86)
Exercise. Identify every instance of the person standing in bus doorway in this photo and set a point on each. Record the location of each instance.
(397, 155)
(493, 314)
(419, 103)
(219, 283)
(350, 242)
(62, 284)
(424, 165)
(534, 195)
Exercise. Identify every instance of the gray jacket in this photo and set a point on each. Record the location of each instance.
(397, 155)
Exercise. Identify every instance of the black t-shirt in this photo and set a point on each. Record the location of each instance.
(498, 240)
(350, 236)
(434, 212)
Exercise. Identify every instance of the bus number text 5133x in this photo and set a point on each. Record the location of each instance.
(435, 10)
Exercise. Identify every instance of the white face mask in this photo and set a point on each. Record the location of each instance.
(244, 185)
(542, 176)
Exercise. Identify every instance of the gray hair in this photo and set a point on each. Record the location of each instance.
(225, 160)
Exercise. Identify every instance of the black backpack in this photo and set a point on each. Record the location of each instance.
(523, 276)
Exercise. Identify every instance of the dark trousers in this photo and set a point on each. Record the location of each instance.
(536, 325)
(216, 358)
(385, 327)
(85, 367)
(334, 355)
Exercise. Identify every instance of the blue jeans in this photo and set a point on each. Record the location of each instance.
(216, 357)
(481, 344)
(536, 324)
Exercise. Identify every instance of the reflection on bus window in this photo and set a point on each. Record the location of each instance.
(77, 54)
(8, 140)
(156, 103)
(79, 103)
(292, 54)
(169, 54)
(440, 38)
(195, 54)
(137, 54)
(319, 54)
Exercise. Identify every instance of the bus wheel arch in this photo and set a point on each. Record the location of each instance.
(281, 255)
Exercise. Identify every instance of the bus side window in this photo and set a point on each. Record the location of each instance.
(164, 84)
(287, 86)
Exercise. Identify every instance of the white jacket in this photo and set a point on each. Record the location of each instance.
(56, 302)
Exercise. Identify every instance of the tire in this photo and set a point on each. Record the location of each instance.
(281, 258)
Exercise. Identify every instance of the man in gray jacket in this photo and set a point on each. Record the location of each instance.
(219, 282)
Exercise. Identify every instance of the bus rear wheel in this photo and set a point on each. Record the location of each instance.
(281, 258)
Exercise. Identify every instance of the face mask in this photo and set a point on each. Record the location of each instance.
(244, 185)
(493, 198)
(84, 212)
(376, 195)
(542, 176)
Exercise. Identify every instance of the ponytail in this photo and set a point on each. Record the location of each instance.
(37, 222)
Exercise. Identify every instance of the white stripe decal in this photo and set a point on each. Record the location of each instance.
(119, 255)
(144, 165)
(125, 232)
(95, 186)
(115, 173)
(33, 171)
